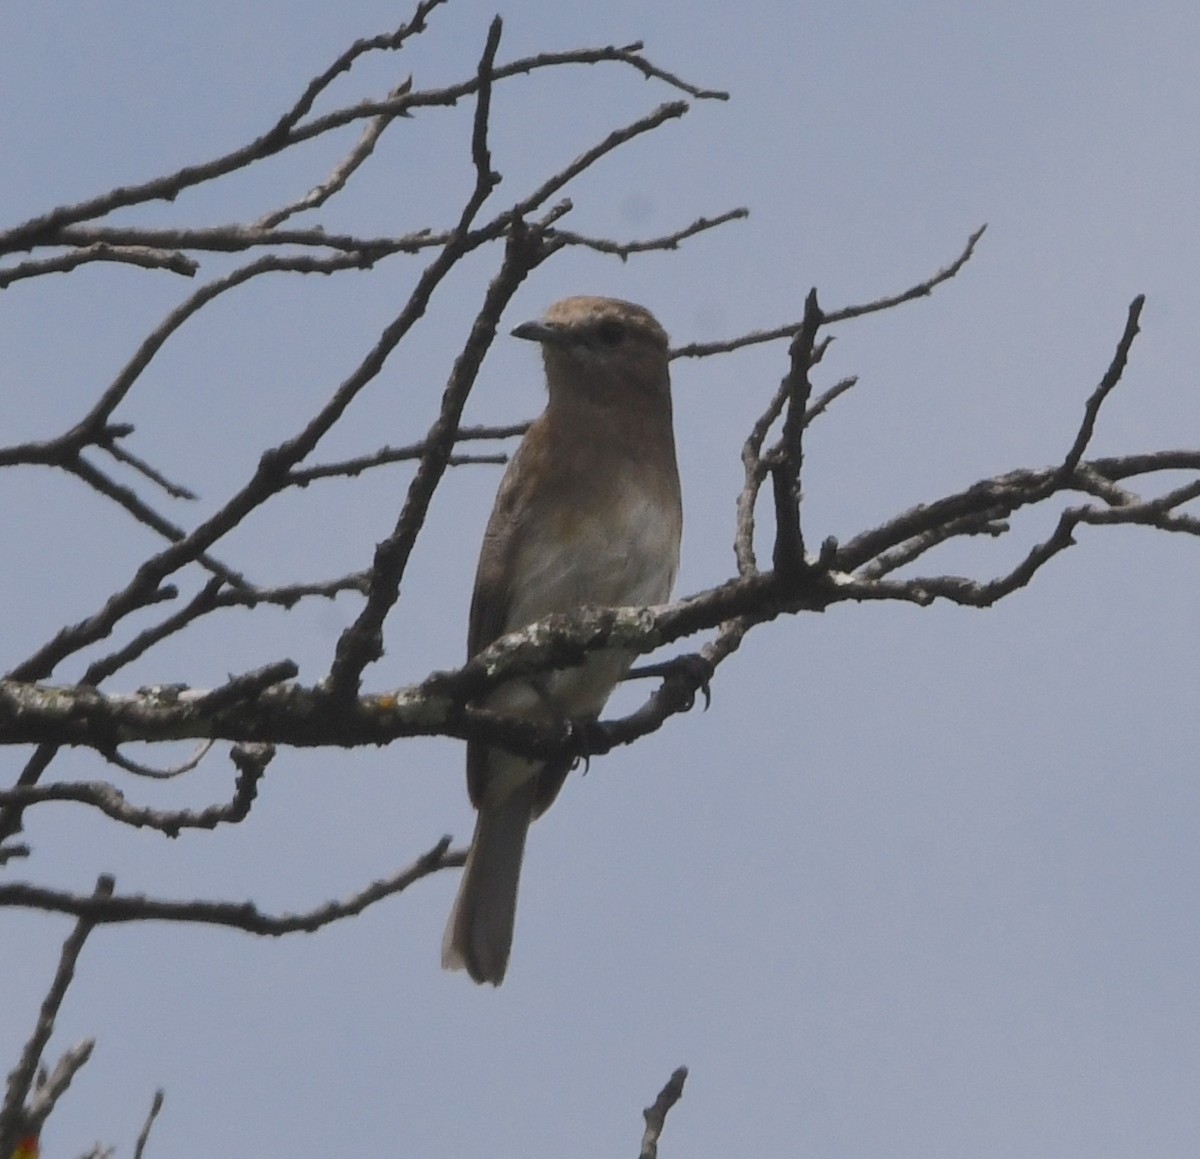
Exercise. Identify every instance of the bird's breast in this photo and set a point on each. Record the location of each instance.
(613, 554)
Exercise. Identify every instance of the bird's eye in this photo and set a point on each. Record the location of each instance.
(610, 332)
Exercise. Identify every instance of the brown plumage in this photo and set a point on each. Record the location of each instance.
(588, 513)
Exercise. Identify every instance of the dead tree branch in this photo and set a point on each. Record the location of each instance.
(112, 908)
(17, 1117)
(194, 568)
(656, 1114)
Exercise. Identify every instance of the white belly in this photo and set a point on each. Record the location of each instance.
(627, 558)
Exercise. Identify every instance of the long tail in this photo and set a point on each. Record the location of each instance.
(480, 930)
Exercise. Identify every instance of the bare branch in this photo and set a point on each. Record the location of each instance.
(589, 157)
(246, 916)
(656, 1114)
(1159, 513)
(756, 337)
(10, 817)
(280, 136)
(1127, 466)
(920, 290)
(362, 642)
(1111, 377)
(148, 771)
(49, 1088)
(268, 479)
(251, 760)
(987, 522)
(452, 94)
(786, 461)
(390, 42)
(667, 242)
(288, 130)
(486, 179)
(972, 593)
(148, 259)
(214, 597)
(385, 456)
(234, 237)
(129, 501)
(247, 687)
(144, 1136)
(829, 397)
(336, 181)
(267, 264)
(15, 1118)
(754, 472)
(630, 54)
(438, 706)
(123, 455)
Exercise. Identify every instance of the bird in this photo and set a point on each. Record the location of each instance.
(588, 513)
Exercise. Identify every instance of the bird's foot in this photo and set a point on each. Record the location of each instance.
(682, 677)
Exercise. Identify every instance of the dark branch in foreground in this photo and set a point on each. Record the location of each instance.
(862, 569)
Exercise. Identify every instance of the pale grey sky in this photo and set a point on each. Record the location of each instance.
(921, 883)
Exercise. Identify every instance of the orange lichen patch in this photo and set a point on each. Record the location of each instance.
(27, 1148)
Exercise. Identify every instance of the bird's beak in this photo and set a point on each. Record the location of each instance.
(541, 332)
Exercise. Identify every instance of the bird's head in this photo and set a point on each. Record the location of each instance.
(604, 348)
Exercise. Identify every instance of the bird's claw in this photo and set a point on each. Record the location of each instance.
(696, 675)
(582, 735)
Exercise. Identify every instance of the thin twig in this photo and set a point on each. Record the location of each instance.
(1112, 376)
(240, 916)
(148, 259)
(668, 242)
(20, 1080)
(988, 522)
(828, 397)
(147, 516)
(280, 136)
(656, 1114)
(148, 771)
(214, 597)
(267, 264)
(344, 170)
(237, 237)
(112, 803)
(10, 817)
(787, 460)
(920, 290)
(123, 455)
(248, 686)
(542, 194)
(144, 1135)
(288, 130)
(756, 337)
(385, 456)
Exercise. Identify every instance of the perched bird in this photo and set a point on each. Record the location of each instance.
(588, 513)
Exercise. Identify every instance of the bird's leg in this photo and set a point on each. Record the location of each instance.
(578, 728)
(682, 677)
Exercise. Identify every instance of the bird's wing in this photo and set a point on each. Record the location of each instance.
(507, 529)
(512, 521)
